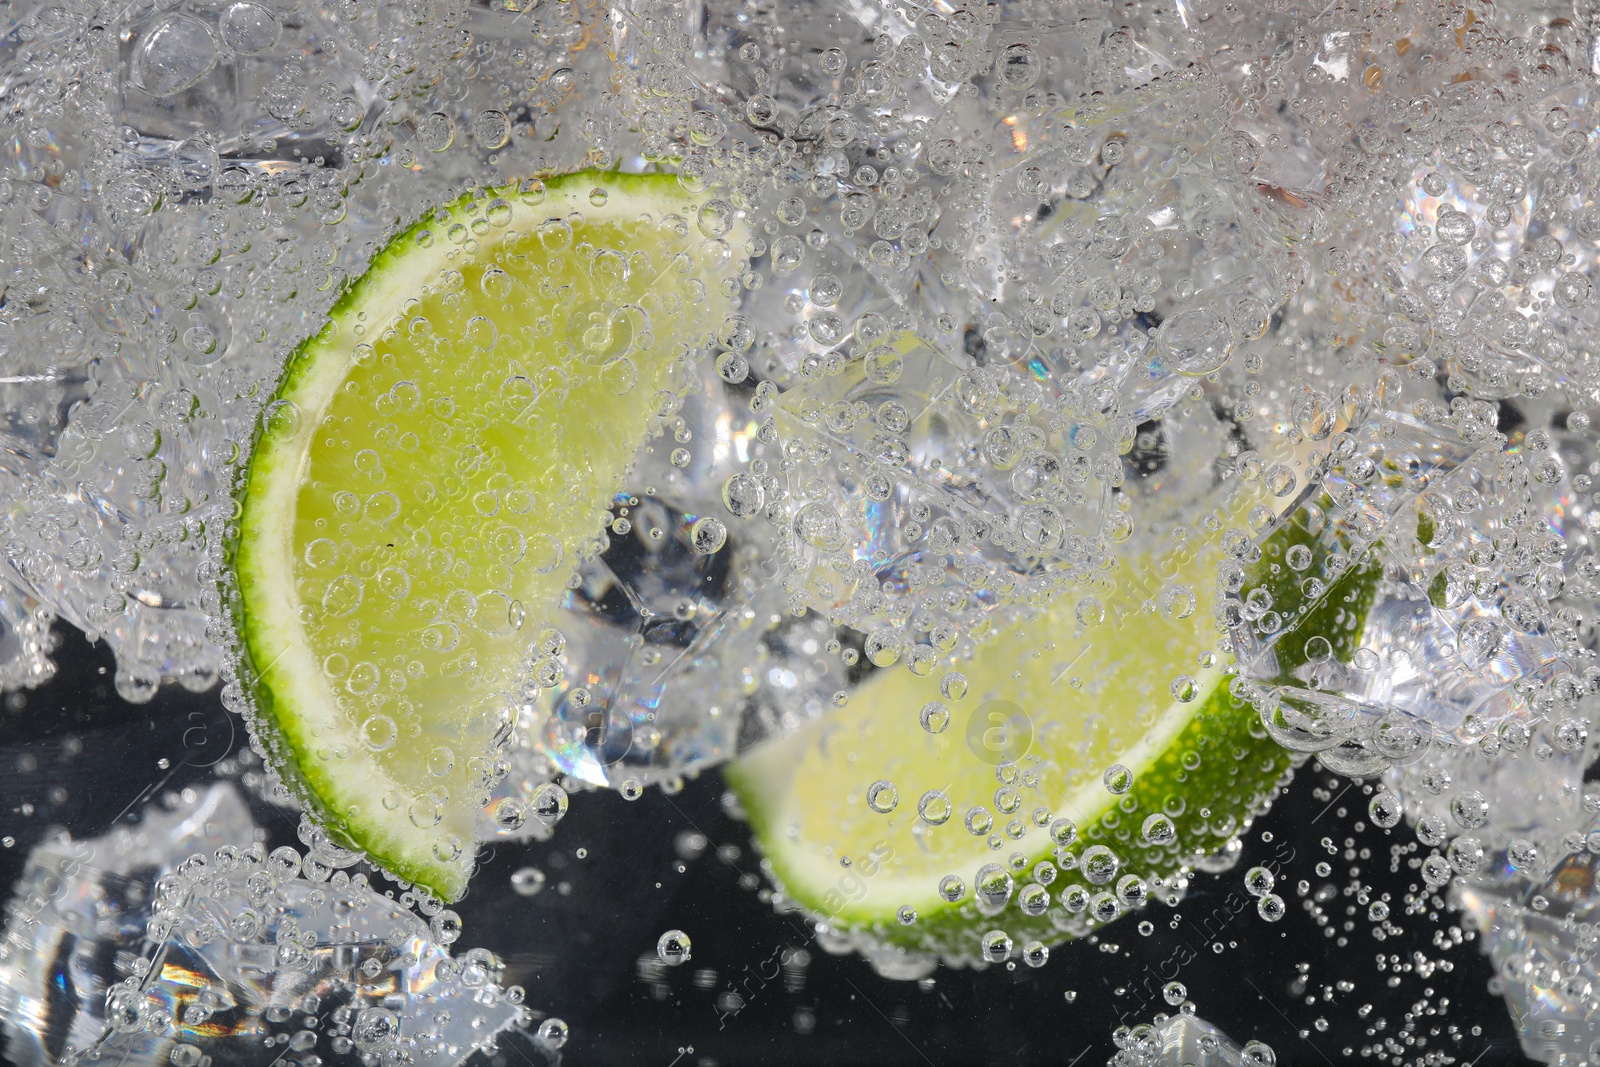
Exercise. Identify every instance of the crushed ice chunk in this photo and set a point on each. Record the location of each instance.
(1187, 1041)
(180, 938)
(1443, 651)
(1534, 900)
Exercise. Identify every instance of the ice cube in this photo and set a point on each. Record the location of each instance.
(1532, 896)
(179, 938)
(641, 686)
(1188, 1041)
(1368, 635)
(25, 638)
(1532, 934)
(1535, 902)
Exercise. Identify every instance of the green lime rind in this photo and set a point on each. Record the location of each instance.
(1439, 591)
(257, 589)
(1338, 616)
(282, 734)
(1324, 603)
(1324, 589)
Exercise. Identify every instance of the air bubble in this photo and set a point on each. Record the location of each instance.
(375, 1029)
(436, 132)
(882, 797)
(992, 888)
(934, 808)
(378, 732)
(1159, 830)
(883, 647)
(1455, 227)
(1178, 602)
(1572, 291)
(174, 55)
(491, 129)
(761, 110)
(1385, 809)
(1281, 479)
(552, 1033)
(996, 945)
(708, 535)
(819, 526)
(1099, 864)
(716, 218)
(445, 927)
(1195, 342)
(743, 495)
(1017, 66)
(527, 881)
(549, 803)
(672, 948)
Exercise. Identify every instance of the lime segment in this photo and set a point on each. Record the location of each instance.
(432, 465)
(1105, 722)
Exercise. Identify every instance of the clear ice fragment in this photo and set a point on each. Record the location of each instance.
(1443, 647)
(1188, 1041)
(1535, 901)
(181, 933)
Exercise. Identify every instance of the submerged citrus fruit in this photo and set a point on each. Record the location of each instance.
(1097, 749)
(433, 463)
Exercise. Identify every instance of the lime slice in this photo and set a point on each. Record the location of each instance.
(432, 465)
(1099, 737)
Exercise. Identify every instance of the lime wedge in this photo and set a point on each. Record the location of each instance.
(432, 465)
(1098, 738)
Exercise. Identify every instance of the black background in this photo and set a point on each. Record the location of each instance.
(82, 758)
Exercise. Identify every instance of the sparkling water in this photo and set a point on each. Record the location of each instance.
(1030, 290)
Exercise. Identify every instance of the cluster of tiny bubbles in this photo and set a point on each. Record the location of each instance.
(329, 935)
